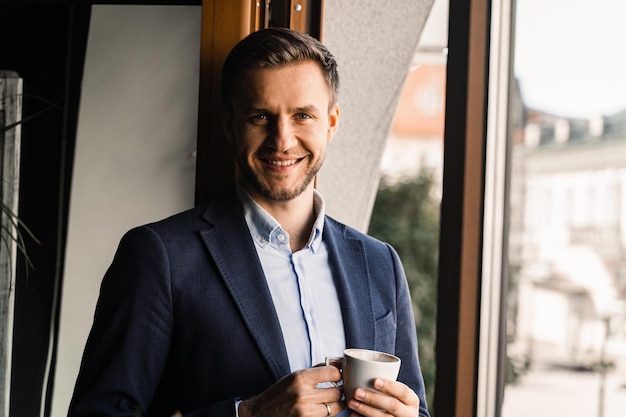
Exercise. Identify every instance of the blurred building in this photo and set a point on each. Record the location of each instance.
(415, 140)
(567, 211)
(568, 238)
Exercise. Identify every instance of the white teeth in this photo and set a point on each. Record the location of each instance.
(283, 163)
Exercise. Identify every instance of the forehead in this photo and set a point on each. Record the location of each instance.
(304, 79)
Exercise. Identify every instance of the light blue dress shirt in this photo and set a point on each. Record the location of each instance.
(301, 285)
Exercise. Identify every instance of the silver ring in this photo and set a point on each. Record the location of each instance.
(327, 409)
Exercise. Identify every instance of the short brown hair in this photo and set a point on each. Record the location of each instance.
(274, 48)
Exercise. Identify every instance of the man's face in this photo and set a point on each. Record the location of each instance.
(280, 126)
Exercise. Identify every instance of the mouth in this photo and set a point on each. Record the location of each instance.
(282, 163)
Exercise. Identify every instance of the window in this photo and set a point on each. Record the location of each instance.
(565, 345)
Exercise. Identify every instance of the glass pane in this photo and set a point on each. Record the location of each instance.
(566, 332)
(406, 211)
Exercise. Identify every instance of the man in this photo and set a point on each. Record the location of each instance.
(230, 308)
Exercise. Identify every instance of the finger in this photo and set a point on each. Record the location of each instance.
(334, 408)
(323, 373)
(370, 403)
(313, 376)
(397, 390)
(312, 385)
(328, 395)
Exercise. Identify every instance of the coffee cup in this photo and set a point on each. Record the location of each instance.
(359, 368)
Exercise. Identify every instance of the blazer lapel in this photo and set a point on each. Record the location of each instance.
(239, 265)
(348, 260)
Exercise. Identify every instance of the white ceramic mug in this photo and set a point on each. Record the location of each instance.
(359, 367)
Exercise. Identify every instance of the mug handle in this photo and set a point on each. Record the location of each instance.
(337, 362)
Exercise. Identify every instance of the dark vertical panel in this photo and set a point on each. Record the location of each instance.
(224, 23)
(303, 15)
(451, 212)
(462, 210)
(45, 44)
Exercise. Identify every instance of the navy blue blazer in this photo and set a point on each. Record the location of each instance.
(185, 320)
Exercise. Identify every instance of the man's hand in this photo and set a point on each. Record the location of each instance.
(400, 401)
(297, 395)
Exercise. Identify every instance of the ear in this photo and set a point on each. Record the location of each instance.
(333, 122)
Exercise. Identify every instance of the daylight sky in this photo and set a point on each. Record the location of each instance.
(570, 56)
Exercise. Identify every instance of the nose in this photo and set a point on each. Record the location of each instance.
(282, 136)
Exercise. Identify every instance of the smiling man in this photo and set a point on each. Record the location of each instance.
(280, 121)
(230, 308)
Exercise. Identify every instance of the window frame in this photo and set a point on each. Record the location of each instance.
(470, 326)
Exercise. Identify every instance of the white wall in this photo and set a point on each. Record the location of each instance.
(137, 124)
(374, 42)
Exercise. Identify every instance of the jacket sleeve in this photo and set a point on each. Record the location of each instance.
(129, 343)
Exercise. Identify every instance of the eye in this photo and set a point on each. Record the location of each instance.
(258, 118)
(303, 116)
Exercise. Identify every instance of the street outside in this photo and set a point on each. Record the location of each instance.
(549, 392)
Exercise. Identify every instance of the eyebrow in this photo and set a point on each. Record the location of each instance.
(300, 109)
(306, 109)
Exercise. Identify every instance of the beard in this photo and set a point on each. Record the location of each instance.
(278, 195)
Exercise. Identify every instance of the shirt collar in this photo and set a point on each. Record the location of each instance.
(266, 230)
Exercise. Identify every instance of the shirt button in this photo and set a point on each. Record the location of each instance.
(281, 237)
